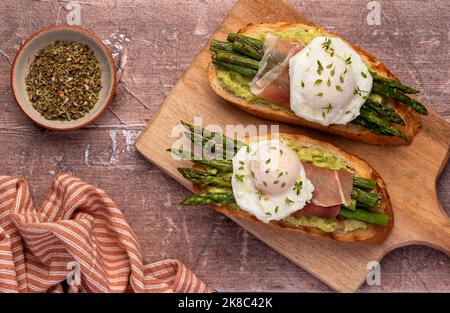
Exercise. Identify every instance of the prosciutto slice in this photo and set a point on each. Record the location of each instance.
(272, 80)
(331, 187)
(314, 210)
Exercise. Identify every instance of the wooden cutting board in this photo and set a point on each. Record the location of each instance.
(410, 172)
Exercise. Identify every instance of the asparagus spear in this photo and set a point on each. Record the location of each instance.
(222, 165)
(210, 145)
(210, 198)
(364, 183)
(366, 216)
(248, 49)
(255, 43)
(248, 46)
(384, 111)
(365, 198)
(233, 58)
(236, 68)
(201, 178)
(220, 139)
(216, 45)
(385, 127)
(370, 126)
(395, 94)
(374, 208)
(372, 121)
(252, 47)
(392, 83)
(351, 206)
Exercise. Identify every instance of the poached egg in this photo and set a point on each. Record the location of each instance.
(329, 82)
(269, 180)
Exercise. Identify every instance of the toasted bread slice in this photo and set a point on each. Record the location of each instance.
(285, 115)
(372, 234)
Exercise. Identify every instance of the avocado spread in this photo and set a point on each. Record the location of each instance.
(319, 157)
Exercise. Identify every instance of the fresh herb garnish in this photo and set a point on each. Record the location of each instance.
(298, 187)
(348, 60)
(326, 44)
(332, 72)
(358, 91)
(239, 177)
(329, 107)
(288, 201)
(260, 194)
(319, 67)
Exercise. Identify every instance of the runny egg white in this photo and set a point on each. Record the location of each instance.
(269, 181)
(329, 82)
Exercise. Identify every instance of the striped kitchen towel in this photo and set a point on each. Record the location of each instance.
(77, 241)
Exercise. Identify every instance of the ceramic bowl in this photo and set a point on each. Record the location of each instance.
(25, 57)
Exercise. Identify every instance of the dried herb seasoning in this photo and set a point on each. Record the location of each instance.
(64, 81)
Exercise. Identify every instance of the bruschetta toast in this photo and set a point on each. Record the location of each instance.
(292, 182)
(301, 74)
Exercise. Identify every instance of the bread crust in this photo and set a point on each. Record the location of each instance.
(284, 115)
(372, 234)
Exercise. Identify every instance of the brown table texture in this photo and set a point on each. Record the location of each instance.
(160, 39)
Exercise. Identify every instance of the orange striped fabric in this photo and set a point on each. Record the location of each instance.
(78, 238)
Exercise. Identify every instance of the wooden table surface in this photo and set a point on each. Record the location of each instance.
(161, 38)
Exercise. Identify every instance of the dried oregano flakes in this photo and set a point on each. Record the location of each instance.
(64, 81)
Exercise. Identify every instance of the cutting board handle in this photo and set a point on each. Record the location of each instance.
(437, 242)
(435, 230)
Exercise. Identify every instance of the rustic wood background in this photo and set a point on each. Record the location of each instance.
(161, 38)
